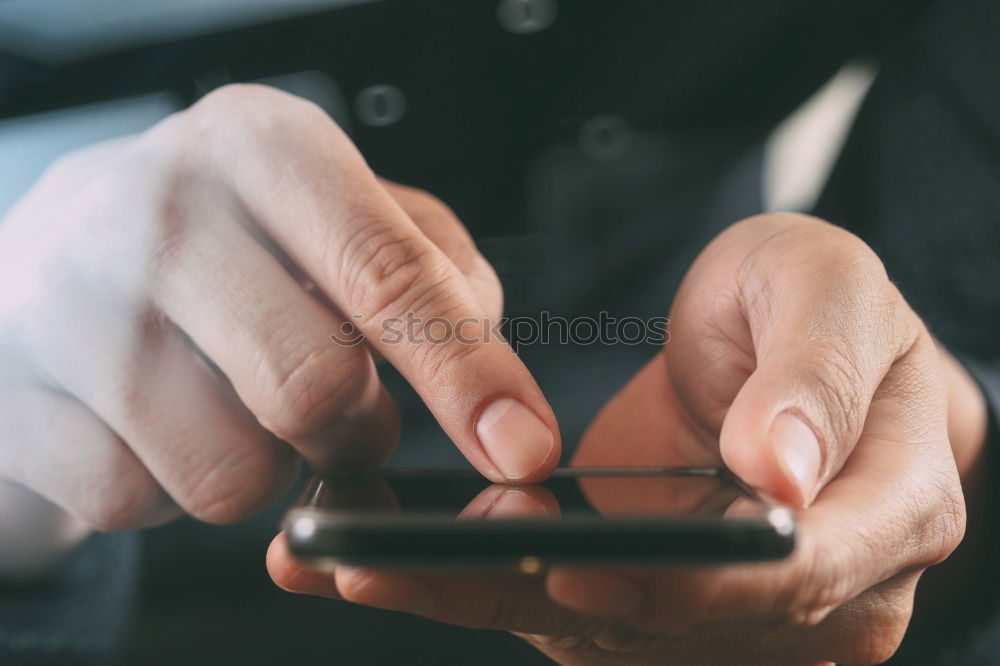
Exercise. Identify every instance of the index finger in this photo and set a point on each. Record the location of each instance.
(308, 189)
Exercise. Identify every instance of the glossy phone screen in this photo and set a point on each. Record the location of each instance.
(464, 494)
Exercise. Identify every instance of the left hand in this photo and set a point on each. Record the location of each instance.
(797, 363)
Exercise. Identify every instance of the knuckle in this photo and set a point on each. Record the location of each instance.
(112, 513)
(848, 257)
(383, 268)
(301, 397)
(438, 361)
(877, 644)
(768, 236)
(267, 103)
(440, 224)
(238, 486)
(803, 239)
(836, 377)
(814, 591)
(234, 95)
(259, 115)
(124, 506)
(878, 637)
(945, 528)
(810, 608)
(764, 223)
(488, 286)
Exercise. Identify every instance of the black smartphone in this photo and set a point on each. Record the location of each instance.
(455, 518)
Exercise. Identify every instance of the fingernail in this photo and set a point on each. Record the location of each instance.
(798, 450)
(514, 438)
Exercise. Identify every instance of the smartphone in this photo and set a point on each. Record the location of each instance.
(399, 518)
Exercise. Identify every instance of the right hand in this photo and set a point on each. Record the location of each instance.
(167, 309)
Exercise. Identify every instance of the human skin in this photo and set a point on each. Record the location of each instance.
(793, 360)
(167, 312)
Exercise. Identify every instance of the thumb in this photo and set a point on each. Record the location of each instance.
(826, 326)
(791, 426)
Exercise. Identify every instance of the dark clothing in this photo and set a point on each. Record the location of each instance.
(493, 126)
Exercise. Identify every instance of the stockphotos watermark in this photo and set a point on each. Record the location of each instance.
(545, 329)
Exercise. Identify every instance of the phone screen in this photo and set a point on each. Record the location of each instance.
(570, 492)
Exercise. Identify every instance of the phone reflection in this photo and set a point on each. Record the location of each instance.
(464, 495)
(498, 502)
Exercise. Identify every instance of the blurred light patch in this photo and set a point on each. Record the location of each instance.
(605, 137)
(380, 105)
(523, 17)
(29, 144)
(802, 150)
(60, 30)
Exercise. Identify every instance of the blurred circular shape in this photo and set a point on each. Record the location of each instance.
(782, 520)
(380, 105)
(530, 565)
(605, 137)
(523, 17)
(304, 527)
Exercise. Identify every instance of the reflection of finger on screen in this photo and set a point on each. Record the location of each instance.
(499, 501)
(745, 507)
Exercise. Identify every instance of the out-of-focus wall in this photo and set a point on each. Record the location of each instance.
(59, 30)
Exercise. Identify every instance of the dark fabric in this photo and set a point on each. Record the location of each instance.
(492, 127)
(81, 615)
(919, 180)
(918, 177)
